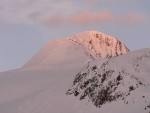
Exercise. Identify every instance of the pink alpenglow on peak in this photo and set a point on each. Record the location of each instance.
(75, 50)
(100, 45)
(86, 73)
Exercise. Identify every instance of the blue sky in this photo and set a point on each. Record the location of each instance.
(26, 25)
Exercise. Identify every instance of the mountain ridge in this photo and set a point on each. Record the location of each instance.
(99, 44)
(115, 80)
(86, 45)
(67, 74)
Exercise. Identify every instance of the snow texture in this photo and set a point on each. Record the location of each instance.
(87, 73)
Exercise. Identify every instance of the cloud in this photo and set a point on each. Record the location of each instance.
(31, 11)
(82, 18)
(91, 18)
(131, 18)
(85, 18)
(65, 12)
(55, 19)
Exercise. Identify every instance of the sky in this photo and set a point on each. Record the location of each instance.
(27, 25)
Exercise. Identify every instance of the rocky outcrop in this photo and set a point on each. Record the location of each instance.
(99, 45)
(114, 79)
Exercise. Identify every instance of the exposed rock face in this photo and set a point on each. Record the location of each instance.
(114, 79)
(100, 45)
(101, 82)
(80, 48)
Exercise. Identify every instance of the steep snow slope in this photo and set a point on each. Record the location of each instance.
(120, 82)
(44, 84)
(81, 48)
(45, 91)
(100, 45)
(18, 87)
(58, 53)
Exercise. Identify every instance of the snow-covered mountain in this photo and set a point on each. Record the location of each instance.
(122, 81)
(87, 73)
(100, 45)
(81, 48)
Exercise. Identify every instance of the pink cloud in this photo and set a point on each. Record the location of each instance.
(132, 18)
(55, 19)
(90, 18)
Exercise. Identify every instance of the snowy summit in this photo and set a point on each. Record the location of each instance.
(90, 72)
(82, 47)
(100, 45)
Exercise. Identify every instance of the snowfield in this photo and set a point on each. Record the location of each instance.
(88, 73)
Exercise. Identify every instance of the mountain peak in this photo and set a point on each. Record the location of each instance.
(80, 48)
(99, 45)
(92, 32)
(124, 78)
